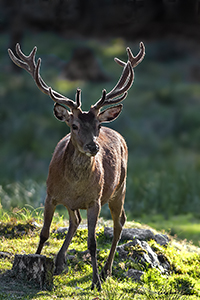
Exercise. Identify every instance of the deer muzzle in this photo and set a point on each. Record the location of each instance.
(91, 149)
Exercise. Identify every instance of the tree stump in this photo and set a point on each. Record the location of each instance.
(34, 268)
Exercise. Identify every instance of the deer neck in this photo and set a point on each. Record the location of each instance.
(79, 165)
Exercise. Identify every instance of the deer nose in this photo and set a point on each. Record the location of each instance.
(93, 148)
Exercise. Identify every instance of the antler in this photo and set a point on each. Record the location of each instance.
(135, 60)
(28, 63)
(125, 81)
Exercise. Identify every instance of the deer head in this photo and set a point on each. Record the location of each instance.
(84, 126)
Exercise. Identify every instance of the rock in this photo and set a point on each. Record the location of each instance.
(164, 262)
(134, 274)
(34, 268)
(131, 233)
(4, 254)
(162, 239)
(64, 230)
(142, 255)
(36, 225)
(70, 257)
(138, 233)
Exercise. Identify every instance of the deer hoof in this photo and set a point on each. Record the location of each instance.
(105, 273)
(58, 270)
(60, 266)
(97, 284)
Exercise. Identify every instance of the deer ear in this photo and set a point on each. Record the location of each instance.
(61, 113)
(110, 114)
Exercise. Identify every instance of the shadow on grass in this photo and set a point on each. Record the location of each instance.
(17, 288)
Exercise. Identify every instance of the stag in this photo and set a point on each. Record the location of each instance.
(88, 167)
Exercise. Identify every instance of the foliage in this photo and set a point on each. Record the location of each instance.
(28, 194)
(74, 283)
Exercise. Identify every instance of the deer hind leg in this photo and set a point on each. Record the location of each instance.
(74, 221)
(92, 216)
(119, 218)
(49, 209)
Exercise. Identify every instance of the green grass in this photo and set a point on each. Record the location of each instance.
(181, 226)
(182, 282)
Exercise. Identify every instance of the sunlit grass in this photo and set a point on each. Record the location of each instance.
(116, 48)
(182, 226)
(181, 283)
(65, 86)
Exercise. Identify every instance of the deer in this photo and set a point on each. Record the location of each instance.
(89, 165)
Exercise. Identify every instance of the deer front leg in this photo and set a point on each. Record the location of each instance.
(49, 209)
(74, 221)
(92, 217)
(119, 218)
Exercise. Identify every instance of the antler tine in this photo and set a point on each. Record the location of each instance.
(121, 88)
(62, 100)
(29, 60)
(135, 60)
(126, 78)
(38, 80)
(28, 63)
(78, 98)
(55, 96)
(45, 88)
(101, 101)
(20, 63)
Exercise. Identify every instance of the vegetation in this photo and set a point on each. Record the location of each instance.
(19, 234)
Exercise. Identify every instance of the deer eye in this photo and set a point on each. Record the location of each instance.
(74, 127)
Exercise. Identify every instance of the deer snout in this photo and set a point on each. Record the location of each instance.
(92, 149)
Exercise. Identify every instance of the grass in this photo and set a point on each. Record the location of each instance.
(20, 235)
(181, 226)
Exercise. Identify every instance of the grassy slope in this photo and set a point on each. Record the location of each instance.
(182, 283)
